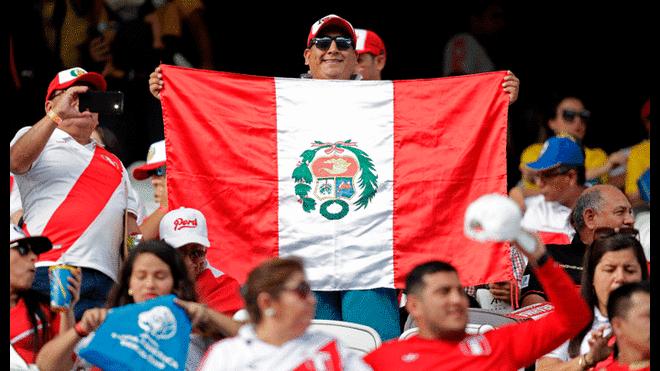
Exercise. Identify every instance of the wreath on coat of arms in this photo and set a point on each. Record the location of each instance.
(334, 176)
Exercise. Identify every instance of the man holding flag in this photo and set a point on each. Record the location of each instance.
(335, 203)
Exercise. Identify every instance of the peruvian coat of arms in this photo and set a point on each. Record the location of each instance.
(335, 174)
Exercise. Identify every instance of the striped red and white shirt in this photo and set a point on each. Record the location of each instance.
(76, 195)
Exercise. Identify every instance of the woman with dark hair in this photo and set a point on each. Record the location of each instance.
(153, 269)
(32, 323)
(281, 306)
(615, 258)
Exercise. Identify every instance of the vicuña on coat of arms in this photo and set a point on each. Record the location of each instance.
(335, 174)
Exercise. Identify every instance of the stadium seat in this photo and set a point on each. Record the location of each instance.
(479, 321)
(359, 338)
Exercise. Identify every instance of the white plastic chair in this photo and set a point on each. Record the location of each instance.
(471, 328)
(359, 338)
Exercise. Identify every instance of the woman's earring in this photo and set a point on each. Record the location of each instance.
(130, 292)
(270, 312)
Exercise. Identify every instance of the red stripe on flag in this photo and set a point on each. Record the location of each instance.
(84, 203)
(236, 187)
(449, 149)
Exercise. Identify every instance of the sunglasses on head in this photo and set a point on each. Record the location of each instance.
(325, 42)
(303, 290)
(606, 232)
(569, 115)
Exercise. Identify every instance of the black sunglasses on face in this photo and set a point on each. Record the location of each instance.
(569, 115)
(324, 43)
(23, 247)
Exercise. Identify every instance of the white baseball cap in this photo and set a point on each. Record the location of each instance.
(155, 158)
(496, 217)
(183, 226)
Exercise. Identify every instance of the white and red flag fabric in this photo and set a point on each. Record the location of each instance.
(361, 179)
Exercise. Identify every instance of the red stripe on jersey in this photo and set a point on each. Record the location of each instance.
(84, 203)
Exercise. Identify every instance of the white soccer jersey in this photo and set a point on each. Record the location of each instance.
(549, 219)
(76, 195)
(313, 351)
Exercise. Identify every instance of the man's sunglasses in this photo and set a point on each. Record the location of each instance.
(324, 43)
(606, 232)
(159, 171)
(24, 247)
(196, 254)
(303, 290)
(569, 115)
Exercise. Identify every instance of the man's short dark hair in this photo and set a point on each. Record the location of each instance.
(580, 170)
(620, 299)
(415, 279)
(590, 199)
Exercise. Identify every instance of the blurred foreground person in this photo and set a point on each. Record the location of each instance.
(281, 306)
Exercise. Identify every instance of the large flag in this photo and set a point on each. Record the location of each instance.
(361, 179)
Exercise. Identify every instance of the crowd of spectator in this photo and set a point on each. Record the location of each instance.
(588, 210)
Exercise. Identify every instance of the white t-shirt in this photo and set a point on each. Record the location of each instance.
(77, 195)
(311, 351)
(550, 219)
(599, 321)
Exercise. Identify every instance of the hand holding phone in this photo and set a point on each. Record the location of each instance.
(110, 102)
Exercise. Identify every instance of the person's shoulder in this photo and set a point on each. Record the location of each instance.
(531, 153)
(595, 157)
(641, 147)
(401, 352)
(395, 346)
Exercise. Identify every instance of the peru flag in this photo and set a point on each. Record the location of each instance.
(361, 179)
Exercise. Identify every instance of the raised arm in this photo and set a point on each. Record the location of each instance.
(570, 315)
(27, 148)
(57, 354)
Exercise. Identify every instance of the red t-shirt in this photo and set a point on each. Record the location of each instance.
(21, 334)
(219, 291)
(507, 348)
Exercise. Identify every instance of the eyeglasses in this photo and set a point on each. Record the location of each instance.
(325, 42)
(193, 254)
(547, 175)
(303, 290)
(569, 115)
(159, 171)
(606, 232)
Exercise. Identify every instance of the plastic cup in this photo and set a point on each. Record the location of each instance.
(60, 296)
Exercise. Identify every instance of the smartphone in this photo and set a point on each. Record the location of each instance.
(110, 102)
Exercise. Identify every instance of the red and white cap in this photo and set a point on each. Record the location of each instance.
(368, 42)
(155, 159)
(330, 20)
(66, 78)
(183, 226)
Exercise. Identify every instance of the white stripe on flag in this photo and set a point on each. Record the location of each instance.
(355, 251)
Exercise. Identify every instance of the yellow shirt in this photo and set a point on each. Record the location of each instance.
(638, 161)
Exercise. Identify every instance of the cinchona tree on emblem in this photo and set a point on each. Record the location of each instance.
(335, 176)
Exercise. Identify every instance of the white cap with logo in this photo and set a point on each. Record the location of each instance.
(183, 226)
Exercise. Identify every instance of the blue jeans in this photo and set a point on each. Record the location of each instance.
(93, 291)
(376, 308)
